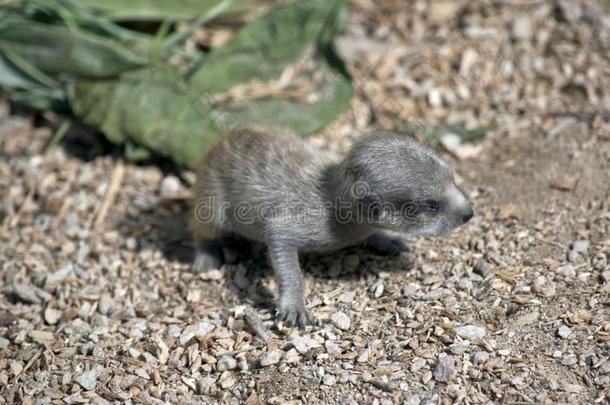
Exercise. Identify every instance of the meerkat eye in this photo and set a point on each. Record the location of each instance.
(432, 205)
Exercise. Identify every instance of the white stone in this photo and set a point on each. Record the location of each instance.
(563, 331)
(470, 332)
(88, 379)
(170, 187)
(480, 357)
(303, 344)
(270, 358)
(341, 320)
(197, 330)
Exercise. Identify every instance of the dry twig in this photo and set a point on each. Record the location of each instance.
(257, 325)
(111, 192)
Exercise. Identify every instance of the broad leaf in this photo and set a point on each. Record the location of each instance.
(156, 9)
(54, 49)
(263, 48)
(179, 119)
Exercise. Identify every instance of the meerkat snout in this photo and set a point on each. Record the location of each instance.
(468, 215)
(461, 206)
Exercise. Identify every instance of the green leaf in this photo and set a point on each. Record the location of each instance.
(204, 19)
(13, 77)
(58, 135)
(178, 118)
(157, 9)
(301, 117)
(263, 48)
(55, 49)
(25, 91)
(40, 99)
(139, 111)
(72, 15)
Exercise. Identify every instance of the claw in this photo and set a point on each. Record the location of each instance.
(295, 316)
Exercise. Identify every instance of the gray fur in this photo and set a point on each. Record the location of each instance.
(270, 186)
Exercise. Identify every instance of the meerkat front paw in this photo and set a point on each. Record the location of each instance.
(205, 262)
(295, 314)
(386, 245)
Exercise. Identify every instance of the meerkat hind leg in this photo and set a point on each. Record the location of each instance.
(291, 304)
(385, 244)
(207, 256)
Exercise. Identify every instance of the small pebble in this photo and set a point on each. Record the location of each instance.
(417, 364)
(15, 367)
(451, 142)
(303, 344)
(363, 357)
(291, 356)
(567, 271)
(570, 10)
(481, 268)
(52, 316)
(340, 320)
(459, 347)
(57, 278)
(564, 331)
(522, 27)
(445, 368)
(140, 372)
(170, 187)
(580, 246)
(173, 331)
(437, 294)
(602, 381)
(377, 289)
(197, 330)
(434, 97)
(227, 381)
(101, 401)
(569, 360)
(412, 400)
(527, 319)
(226, 363)
(105, 304)
(470, 332)
(465, 284)
(329, 380)
(88, 379)
(242, 363)
(516, 381)
(26, 293)
(480, 357)
(271, 357)
(41, 337)
(204, 386)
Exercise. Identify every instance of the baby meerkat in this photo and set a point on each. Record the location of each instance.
(271, 186)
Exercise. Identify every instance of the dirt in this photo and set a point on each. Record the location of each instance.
(103, 308)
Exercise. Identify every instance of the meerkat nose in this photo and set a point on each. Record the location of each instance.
(468, 215)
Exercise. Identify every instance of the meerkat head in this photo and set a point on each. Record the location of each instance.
(399, 184)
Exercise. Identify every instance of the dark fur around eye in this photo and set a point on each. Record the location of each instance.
(431, 205)
(413, 208)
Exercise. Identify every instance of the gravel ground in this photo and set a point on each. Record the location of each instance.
(97, 303)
